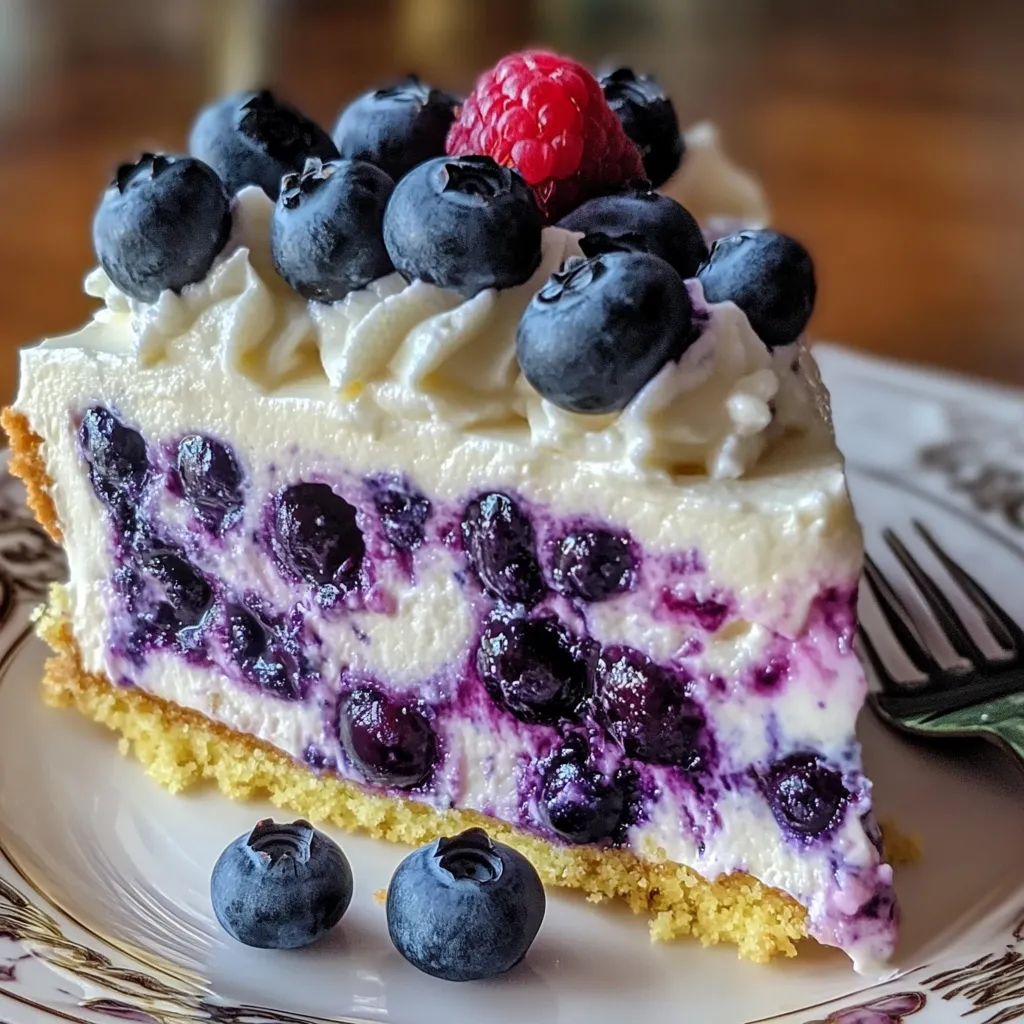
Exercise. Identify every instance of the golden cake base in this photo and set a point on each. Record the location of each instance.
(179, 748)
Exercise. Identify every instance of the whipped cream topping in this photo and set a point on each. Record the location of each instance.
(419, 352)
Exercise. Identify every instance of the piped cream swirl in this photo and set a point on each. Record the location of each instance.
(420, 352)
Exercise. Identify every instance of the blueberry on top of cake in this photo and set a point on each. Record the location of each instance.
(479, 486)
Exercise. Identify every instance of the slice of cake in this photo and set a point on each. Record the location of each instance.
(415, 510)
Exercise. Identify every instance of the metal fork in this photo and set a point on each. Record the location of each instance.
(981, 697)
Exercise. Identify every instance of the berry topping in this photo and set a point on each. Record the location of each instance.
(593, 565)
(211, 481)
(465, 908)
(577, 802)
(326, 235)
(160, 225)
(547, 117)
(253, 139)
(316, 537)
(532, 668)
(498, 538)
(116, 454)
(396, 128)
(402, 509)
(648, 711)
(806, 796)
(463, 223)
(601, 328)
(390, 743)
(281, 886)
(263, 655)
(640, 221)
(769, 276)
(648, 118)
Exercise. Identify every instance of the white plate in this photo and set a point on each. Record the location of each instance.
(104, 912)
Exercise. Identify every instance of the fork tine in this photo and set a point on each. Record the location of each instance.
(945, 614)
(1006, 632)
(885, 677)
(898, 619)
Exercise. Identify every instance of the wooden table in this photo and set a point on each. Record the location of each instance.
(889, 135)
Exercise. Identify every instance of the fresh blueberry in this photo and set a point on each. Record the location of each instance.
(464, 223)
(117, 458)
(806, 796)
(649, 119)
(254, 139)
(211, 481)
(640, 221)
(396, 128)
(160, 225)
(262, 654)
(402, 509)
(499, 542)
(316, 537)
(770, 276)
(532, 668)
(465, 908)
(648, 710)
(282, 886)
(326, 235)
(593, 565)
(390, 742)
(601, 328)
(577, 802)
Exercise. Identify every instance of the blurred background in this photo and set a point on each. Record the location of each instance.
(889, 134)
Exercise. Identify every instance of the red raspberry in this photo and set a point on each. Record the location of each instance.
(547, 117)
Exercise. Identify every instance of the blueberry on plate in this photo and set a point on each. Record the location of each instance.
(390, 742)
(316, 537)
(601, 328)
(576, 801)
(533, 669)
(648, 118)
(806, 796)
(464, 223)
(593, 565)
(640, 221)
(499, 542)
(465, 908)
(211, 481)
(282, 886)
(326, 234)
(117, 458)
(254, 139)
(770, 276)
(397, 127)
(160, 224)
(647, 709)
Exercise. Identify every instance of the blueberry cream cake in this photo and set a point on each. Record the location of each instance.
(435, 474)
